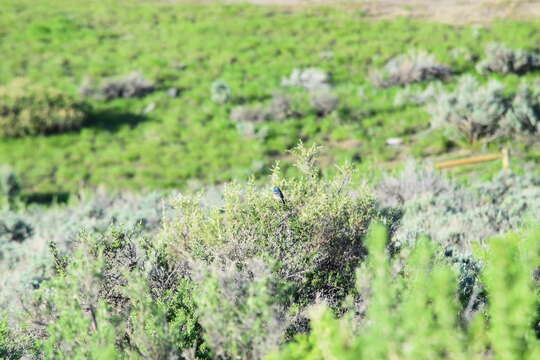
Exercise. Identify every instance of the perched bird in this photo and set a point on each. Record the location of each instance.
(278, 194)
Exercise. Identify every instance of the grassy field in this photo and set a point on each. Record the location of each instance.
(59, 43)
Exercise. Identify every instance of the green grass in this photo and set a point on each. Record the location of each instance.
(58, 43)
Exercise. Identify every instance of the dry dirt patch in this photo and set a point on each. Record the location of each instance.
(446, 11)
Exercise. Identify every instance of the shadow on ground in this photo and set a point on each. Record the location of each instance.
(46, 198)
(113, 119)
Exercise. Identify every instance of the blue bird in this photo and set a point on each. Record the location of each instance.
(278, 194)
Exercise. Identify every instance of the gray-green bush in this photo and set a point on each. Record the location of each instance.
(503, 60)
(415, 66)
(453, 215)
(471, 111)
(220, 92)
(132, 85)
(311, 79)
(524, 115)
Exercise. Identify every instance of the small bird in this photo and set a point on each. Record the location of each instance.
(278, 194)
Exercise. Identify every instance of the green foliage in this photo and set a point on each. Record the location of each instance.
(259, 262)
(107, 303)
(414, 313)
(314, 240)
(28, 109)
(9, 348)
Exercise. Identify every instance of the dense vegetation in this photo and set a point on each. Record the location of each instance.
(244, 275)
(364, 259)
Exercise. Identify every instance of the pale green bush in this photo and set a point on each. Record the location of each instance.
(27, 109)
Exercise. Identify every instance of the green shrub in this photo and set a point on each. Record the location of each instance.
(503, 60)
(415, 66)
(10, 349)
(27, 109)
(314, 240)
(116, 297)
(238, 309)
(414, 313)
(260, 261)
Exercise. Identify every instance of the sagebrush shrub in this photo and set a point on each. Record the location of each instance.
(220, 92)
(524, 115)
(255, 249)
(280, 107)
(501, 59)
(410, 96)
(324, 102)
(471, 111)
(27, 109)
(312, 79)
(119, 296)
(453, 215)
(250, 114)
(415, 66)
(411, 183)
(24, 258)
(131, 85)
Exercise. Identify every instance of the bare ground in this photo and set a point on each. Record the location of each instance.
(446, 11)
